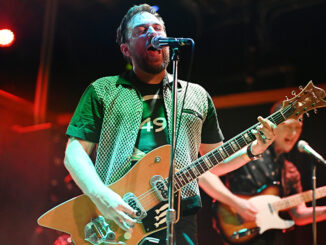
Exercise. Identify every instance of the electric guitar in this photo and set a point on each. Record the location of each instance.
(235, 231)
(144, 187)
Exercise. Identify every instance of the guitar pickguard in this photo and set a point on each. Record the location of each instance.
(156, 217)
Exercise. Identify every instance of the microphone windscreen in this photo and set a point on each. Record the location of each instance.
(301, 145)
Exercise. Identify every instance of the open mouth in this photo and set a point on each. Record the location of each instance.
(288, 140)
(152, 49)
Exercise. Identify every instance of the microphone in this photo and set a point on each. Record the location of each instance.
(303, 146)
(159, 42)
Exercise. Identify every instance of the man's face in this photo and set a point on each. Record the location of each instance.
(141, 29)
(287, 135)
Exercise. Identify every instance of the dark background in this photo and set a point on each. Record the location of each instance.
(241, 46)
(245, 45)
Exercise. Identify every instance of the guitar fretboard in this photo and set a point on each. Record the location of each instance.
(218, 155)
(296, 199)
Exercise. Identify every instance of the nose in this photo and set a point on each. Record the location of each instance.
(151, 32)
(294, 132)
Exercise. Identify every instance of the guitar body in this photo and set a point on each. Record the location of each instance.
(235, 231)
(73, 215)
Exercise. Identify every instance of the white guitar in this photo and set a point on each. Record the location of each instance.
(268, 203)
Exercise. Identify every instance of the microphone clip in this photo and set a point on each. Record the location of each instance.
(159, 42)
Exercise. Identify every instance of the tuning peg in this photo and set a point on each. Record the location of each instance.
(315, 110)
(300, 87)
(293, 93)
(307, 114)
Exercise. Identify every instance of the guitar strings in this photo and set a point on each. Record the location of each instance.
(240, 140)
(181, 175)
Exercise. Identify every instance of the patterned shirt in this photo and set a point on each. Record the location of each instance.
(110, 113)
(270, 169)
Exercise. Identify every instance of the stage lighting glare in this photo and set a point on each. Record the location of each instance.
(155, 7)
(6, 37)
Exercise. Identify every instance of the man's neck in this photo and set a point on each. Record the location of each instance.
(278, 150)
(148, 77)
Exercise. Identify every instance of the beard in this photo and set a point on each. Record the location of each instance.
(147, 66)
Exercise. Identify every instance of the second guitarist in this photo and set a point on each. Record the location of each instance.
(252, 178)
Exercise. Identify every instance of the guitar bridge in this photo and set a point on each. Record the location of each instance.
(98, 232)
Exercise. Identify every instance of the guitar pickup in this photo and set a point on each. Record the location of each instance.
(160, 187)
(245, 232)
(133, 202)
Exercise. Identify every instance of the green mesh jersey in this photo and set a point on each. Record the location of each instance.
(111, 111)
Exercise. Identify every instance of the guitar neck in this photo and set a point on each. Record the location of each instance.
(299, 198)
(218, 155)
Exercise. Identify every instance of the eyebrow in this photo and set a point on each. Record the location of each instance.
(145, 25)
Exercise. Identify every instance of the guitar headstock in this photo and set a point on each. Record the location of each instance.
(309, 98)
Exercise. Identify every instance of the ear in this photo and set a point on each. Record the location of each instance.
(125, 49)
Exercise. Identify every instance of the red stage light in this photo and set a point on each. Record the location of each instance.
(7, 37)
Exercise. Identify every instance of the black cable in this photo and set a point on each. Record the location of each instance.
(185, 94)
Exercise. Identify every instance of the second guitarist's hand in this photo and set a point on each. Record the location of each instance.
(245, 208)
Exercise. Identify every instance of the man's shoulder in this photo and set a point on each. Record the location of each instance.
(194, 88)
(107, 80)
(192, 85)
(106, 86)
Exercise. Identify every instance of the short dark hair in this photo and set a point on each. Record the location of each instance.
(276, 106)
(123, 27)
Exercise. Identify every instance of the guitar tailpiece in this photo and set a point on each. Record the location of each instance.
(150, 240)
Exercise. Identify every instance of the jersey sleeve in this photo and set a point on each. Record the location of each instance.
(86, 122)
(211, 131)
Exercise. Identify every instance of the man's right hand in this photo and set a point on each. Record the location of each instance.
(82, 170)
(246, 209)
(112, 207)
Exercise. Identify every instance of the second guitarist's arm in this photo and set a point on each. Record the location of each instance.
(214, 187)
(240, 157)
(302, 215)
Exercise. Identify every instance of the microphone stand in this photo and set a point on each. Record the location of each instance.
(170, 213)
(314, 226)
